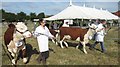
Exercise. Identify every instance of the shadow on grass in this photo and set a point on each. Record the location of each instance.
(70, 44)
(29, 52)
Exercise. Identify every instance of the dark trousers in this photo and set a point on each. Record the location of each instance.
(43, 57)
(102, 45)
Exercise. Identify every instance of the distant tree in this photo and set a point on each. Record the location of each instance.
(41, 15)
(48, 16)
(10, 17)
(6, 16)
(3, 13)
(21, 16)
(27, 17)
(32, 16)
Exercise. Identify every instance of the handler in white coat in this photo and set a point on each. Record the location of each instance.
(43, 34)
(100, 35)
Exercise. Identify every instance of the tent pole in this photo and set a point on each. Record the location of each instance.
(78, 23)
(82, 22)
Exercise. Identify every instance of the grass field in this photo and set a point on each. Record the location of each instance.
(71, 55)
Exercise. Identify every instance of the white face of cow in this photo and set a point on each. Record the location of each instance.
(91, 31)
(21, 27)
(93, 26)
(27, 34)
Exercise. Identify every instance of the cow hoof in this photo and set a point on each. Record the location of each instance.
(25, 60)
(56, 44)
(85, 52)
(13, 61)
(62, 47)
(77, 47)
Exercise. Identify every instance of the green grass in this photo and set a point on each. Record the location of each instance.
(73, 56)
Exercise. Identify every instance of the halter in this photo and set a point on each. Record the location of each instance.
(89, 25)
(93, 28)
(21, 32)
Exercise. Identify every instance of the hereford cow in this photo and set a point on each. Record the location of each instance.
(14, 39)
(77, 33)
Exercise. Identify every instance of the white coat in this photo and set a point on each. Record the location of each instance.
(100, 33)
(43, 39)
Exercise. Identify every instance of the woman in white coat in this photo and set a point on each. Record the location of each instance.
(42, 33)
(100, 35)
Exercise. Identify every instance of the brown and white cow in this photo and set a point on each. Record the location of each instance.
(77, 33)
(14, 39)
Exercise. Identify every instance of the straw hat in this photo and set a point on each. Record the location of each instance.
(21, 27)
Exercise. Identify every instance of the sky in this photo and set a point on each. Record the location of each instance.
(52, 7)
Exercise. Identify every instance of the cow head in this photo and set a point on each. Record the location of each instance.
(22, 28)
(92, 31)
(92, 26)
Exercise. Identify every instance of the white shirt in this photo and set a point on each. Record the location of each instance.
(100, 33)
(43, 39)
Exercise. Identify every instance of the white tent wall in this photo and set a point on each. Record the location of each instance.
(73, 12)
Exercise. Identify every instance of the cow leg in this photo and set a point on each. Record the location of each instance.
(13, 50)
(16, 53)
(53, 40)
(10, 50)
(62, 41)
(77, 46)
(84, 50)
(24, 55)
(56, 42)
(11, 47)
(56, 36)
(61, 45)
(66, 44)
(12, 55)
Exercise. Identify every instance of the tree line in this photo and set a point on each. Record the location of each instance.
(21, 16)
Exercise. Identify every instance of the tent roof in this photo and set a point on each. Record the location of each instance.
(73, 12)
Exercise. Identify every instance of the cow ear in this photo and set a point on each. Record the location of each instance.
(11, 26)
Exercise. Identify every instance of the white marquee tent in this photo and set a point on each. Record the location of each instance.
(82, 12)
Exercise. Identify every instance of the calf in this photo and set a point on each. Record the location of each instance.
(75, 34)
